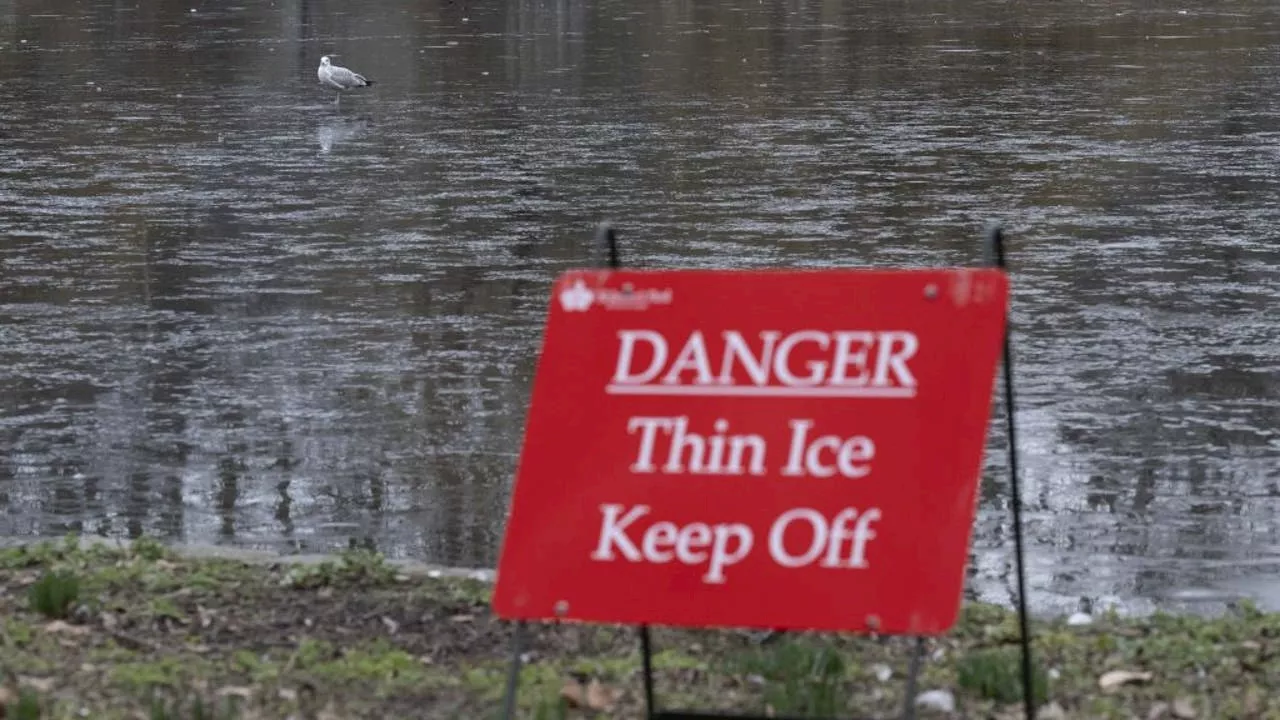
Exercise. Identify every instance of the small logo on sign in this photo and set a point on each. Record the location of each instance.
(632, 298)
(576, 298)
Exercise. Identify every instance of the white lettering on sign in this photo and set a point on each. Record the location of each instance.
(827, 540)
(722, 545)
(716, 546)
(851, 455)
(720, 453)
(687, 451)
(842, 363)
(811, 363)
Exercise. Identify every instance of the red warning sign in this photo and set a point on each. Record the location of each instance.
(778, 449)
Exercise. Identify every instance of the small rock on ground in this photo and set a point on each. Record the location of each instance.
(941, 700)
(1183, 709)
(1052, 711)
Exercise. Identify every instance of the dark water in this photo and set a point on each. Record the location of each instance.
(235, 313)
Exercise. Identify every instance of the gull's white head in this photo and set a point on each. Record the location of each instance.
(324, 61)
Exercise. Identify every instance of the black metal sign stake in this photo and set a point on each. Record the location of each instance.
(607, 244)
(995, 256)
(646, 654)
(913, 671)
(513, 671)
(607, 241)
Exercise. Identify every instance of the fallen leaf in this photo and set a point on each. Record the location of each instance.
(601, 696)
(941, 700)
(392, 625)
(61, 626)
(462, 618)
(110, 620)
(206, 617)
(1114, 679)
(133, 643)
(1052, 711)
(571, 692)
(236, 691)
(1158, 711)
(1252, 701)
(43, 685)
(1183, 709)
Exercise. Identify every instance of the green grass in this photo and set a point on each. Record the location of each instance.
(192, 707)
(163, 636)
(352, 567)
(799, 677)
(55, 594)
(996, 674)
(28, 706)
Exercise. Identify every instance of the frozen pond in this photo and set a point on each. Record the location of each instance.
(235, 313)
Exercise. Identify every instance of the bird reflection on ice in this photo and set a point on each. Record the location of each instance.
(332, 132)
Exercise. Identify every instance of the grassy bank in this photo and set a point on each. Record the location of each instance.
(139, 632)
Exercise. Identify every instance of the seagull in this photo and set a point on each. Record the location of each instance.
(339, 78)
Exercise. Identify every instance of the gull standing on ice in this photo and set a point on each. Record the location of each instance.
(339, 78)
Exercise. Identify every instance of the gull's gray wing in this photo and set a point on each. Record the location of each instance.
(343, 79)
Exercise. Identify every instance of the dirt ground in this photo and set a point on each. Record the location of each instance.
(142, 632)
